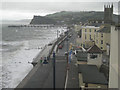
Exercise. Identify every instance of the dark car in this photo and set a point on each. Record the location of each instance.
(45, 62)
(50, 44)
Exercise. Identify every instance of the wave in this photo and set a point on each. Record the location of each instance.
(9, 46)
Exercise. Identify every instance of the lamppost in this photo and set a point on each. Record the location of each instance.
(54, 70)
(67, 48)
(57, 34)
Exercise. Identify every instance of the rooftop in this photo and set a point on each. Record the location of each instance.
(117, 26)
(105, 29)
(94, 49)
(90, 27)
(82, 56)
(91, 74)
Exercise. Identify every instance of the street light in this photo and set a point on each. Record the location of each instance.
(54, 70)
(57, 33)
(67, 50)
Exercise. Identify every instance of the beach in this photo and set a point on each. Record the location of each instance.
(19, 50)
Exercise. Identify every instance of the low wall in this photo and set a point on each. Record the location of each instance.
(54, 47)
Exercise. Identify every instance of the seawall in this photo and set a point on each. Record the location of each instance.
(47, 51)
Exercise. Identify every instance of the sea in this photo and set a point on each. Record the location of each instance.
(19, 45)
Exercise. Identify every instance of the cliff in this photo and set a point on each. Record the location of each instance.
(42, 20)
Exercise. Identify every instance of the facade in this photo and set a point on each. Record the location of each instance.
(88, 35)
(94, 56)
(103, 38)
(108, 14)
(114, 74)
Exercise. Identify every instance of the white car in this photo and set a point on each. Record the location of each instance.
(66, 53)
(74, 52)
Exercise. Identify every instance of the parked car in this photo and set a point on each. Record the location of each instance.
(50, 44)
(60, 47)
(70, 36)
(74, 52)
(66, 53)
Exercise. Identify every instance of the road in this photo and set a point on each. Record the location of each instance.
(43, 74)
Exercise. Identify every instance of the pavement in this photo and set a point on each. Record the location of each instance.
(73, 79)
(42, 74)
(44, 53)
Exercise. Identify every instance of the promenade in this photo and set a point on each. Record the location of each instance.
(41, 75)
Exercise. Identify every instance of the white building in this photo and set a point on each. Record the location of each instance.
(94, 56)
(114, 74)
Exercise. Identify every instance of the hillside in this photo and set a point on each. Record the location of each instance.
(68, 17)
(42, 20)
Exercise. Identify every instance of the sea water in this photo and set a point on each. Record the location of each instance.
(19, 46)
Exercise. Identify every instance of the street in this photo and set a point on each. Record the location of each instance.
(43, 77)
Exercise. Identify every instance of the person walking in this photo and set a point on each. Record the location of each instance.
(41, 60)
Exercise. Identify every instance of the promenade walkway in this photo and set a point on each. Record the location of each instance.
(73, 80)
(42, 74)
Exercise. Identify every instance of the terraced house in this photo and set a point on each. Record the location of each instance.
(88, 35)
(103, 38)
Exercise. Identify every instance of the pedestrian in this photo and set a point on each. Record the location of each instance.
(45, 61)
(47, 58)
(41, 60)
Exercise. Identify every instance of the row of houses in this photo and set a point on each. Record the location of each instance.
(101, 39)
(92, 71)
(90, 34)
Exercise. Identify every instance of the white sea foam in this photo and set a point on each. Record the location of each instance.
(16, 65)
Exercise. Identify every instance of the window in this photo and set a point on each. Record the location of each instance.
(90, 30)
(101, 47)
(95, 30)
(101, 41)
(85, 30)
(93, 56)
(101, 34)
(85, 36)
(90, 37)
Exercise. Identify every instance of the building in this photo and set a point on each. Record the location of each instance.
(81, 57)
(103, 38)
(89, 64)
(94, 56)
(108, 14)
(91, 78)
(88, 35)
(114, 74)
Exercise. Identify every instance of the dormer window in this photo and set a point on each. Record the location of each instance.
(92, 56)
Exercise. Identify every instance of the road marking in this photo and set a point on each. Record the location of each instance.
(66, 80)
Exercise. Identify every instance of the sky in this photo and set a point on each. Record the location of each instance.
(25, 9)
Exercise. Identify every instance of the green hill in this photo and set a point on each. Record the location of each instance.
(77, 17)
(69, 17)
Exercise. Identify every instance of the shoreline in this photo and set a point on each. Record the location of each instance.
(53, 47)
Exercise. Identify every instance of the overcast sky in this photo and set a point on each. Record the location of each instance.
(25, 9)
